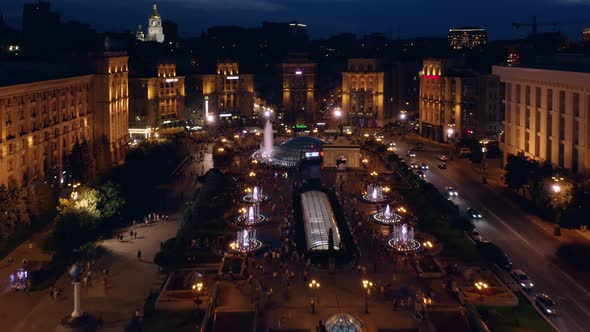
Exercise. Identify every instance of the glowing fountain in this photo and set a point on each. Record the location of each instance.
(245, 241)
(251, 215)
(254, 195)
(375, 194)
(386, 216)
(267, 147)
(403, 239)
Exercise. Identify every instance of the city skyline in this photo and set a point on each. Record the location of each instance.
(405, 20)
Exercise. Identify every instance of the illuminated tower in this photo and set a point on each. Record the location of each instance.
(155, 30)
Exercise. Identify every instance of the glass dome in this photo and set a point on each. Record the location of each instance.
(291, 152)
(343, 323)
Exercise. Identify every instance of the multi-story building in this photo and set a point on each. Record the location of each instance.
(299, 91)
(548, 115)
(362, 94)
(403, 85)
(155, 31)
(229, 94)
(467, 38)
(157, 101)
(457, 102)
(41, 119)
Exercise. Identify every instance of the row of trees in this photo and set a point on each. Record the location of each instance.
(549, 195)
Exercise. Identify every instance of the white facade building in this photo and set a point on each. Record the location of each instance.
(155, 30)
(547, 115)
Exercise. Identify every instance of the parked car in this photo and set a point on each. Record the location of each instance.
(475, 235)
(413, 165)
(423, 167)
(546, 304)
(464, 152)
(494, 255)
(442, 165)
(443, 157)
(522, 279)
(451, 192)
(473, 214)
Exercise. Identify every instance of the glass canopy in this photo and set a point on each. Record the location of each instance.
(318, 218)
(343, 323)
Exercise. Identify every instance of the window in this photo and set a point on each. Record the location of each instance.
(575, 159)
(576, 102)
(562, 102)
(538, 97)
(549, 125)
(537, 145)
(518, 93)
(527, 95)
(561, 127)
(549, 149)
(550, 99)
(527, 120)
(509, 92)
(538, 121)
(561, 155)
(527, 140)
(576, 132)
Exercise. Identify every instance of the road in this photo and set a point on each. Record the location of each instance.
(529, 247)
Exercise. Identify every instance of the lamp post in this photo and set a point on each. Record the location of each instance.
(338, 116)
(313, 285)
(484, 151)
(481, 287)
(75, 272)
(367, 286)
(197, 288)
(560, 200)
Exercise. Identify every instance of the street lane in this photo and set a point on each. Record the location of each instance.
(529, 247)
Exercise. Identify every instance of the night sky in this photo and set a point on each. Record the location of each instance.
(415, 18)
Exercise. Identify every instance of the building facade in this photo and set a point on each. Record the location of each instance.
(157, 101)
(547, 116)
(155, 31)
(228, 94)
(299, 91)
(362, 94)
(111, 105)
(457, 102)
(467, 38)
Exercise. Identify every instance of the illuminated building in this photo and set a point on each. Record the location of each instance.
(467, 38)
(586, 35)
(157, 101)
(548, 115)
(229, 93)
(42, 117)
(155, 31)
(457, 102)
(139, 35)
(362, 94)
(299, 91)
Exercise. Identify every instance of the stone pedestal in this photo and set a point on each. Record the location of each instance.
(77, 310)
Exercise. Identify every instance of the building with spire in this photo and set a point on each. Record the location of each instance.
(139, 35)
(155, 31)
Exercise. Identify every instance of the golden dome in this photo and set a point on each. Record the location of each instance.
(155, 13)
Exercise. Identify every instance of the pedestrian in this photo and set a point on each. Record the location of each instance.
(139, 255)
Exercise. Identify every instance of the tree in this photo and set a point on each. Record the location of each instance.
(517, 169)
(72, 229)
(537, 177)
(561, 200)
(81, 162)
(110, 200)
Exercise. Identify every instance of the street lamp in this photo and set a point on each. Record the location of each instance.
(338, 116)
(367, 286)
(481, 287)
(313, 285)
(197, 288)
(561, 199)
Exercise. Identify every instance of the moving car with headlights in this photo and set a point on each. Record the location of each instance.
(451, 192)
(411, 153)
(473, 214)
(522, 279)
(421, 175)
(546, 304)
(423, 167)
(413, 165)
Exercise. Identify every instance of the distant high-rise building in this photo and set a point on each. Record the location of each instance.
(229, 94)
(155, 31)
(547, 112)
(362, 94)
(299, 91)
(467, 38)
(157, 100)
(41, 28)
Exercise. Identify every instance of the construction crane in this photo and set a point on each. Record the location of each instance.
(535, 25)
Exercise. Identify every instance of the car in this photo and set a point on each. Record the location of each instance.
(451, 192)
(443, 157)
(473, 214)
(413, 165)
(546, 304)
(522, 279)
(464, 152)
(418, 148)
(442, 165)
(411, 153)
(421, 175)
(423, 166)
(475, 235)
(494, 255)
(392, 144)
